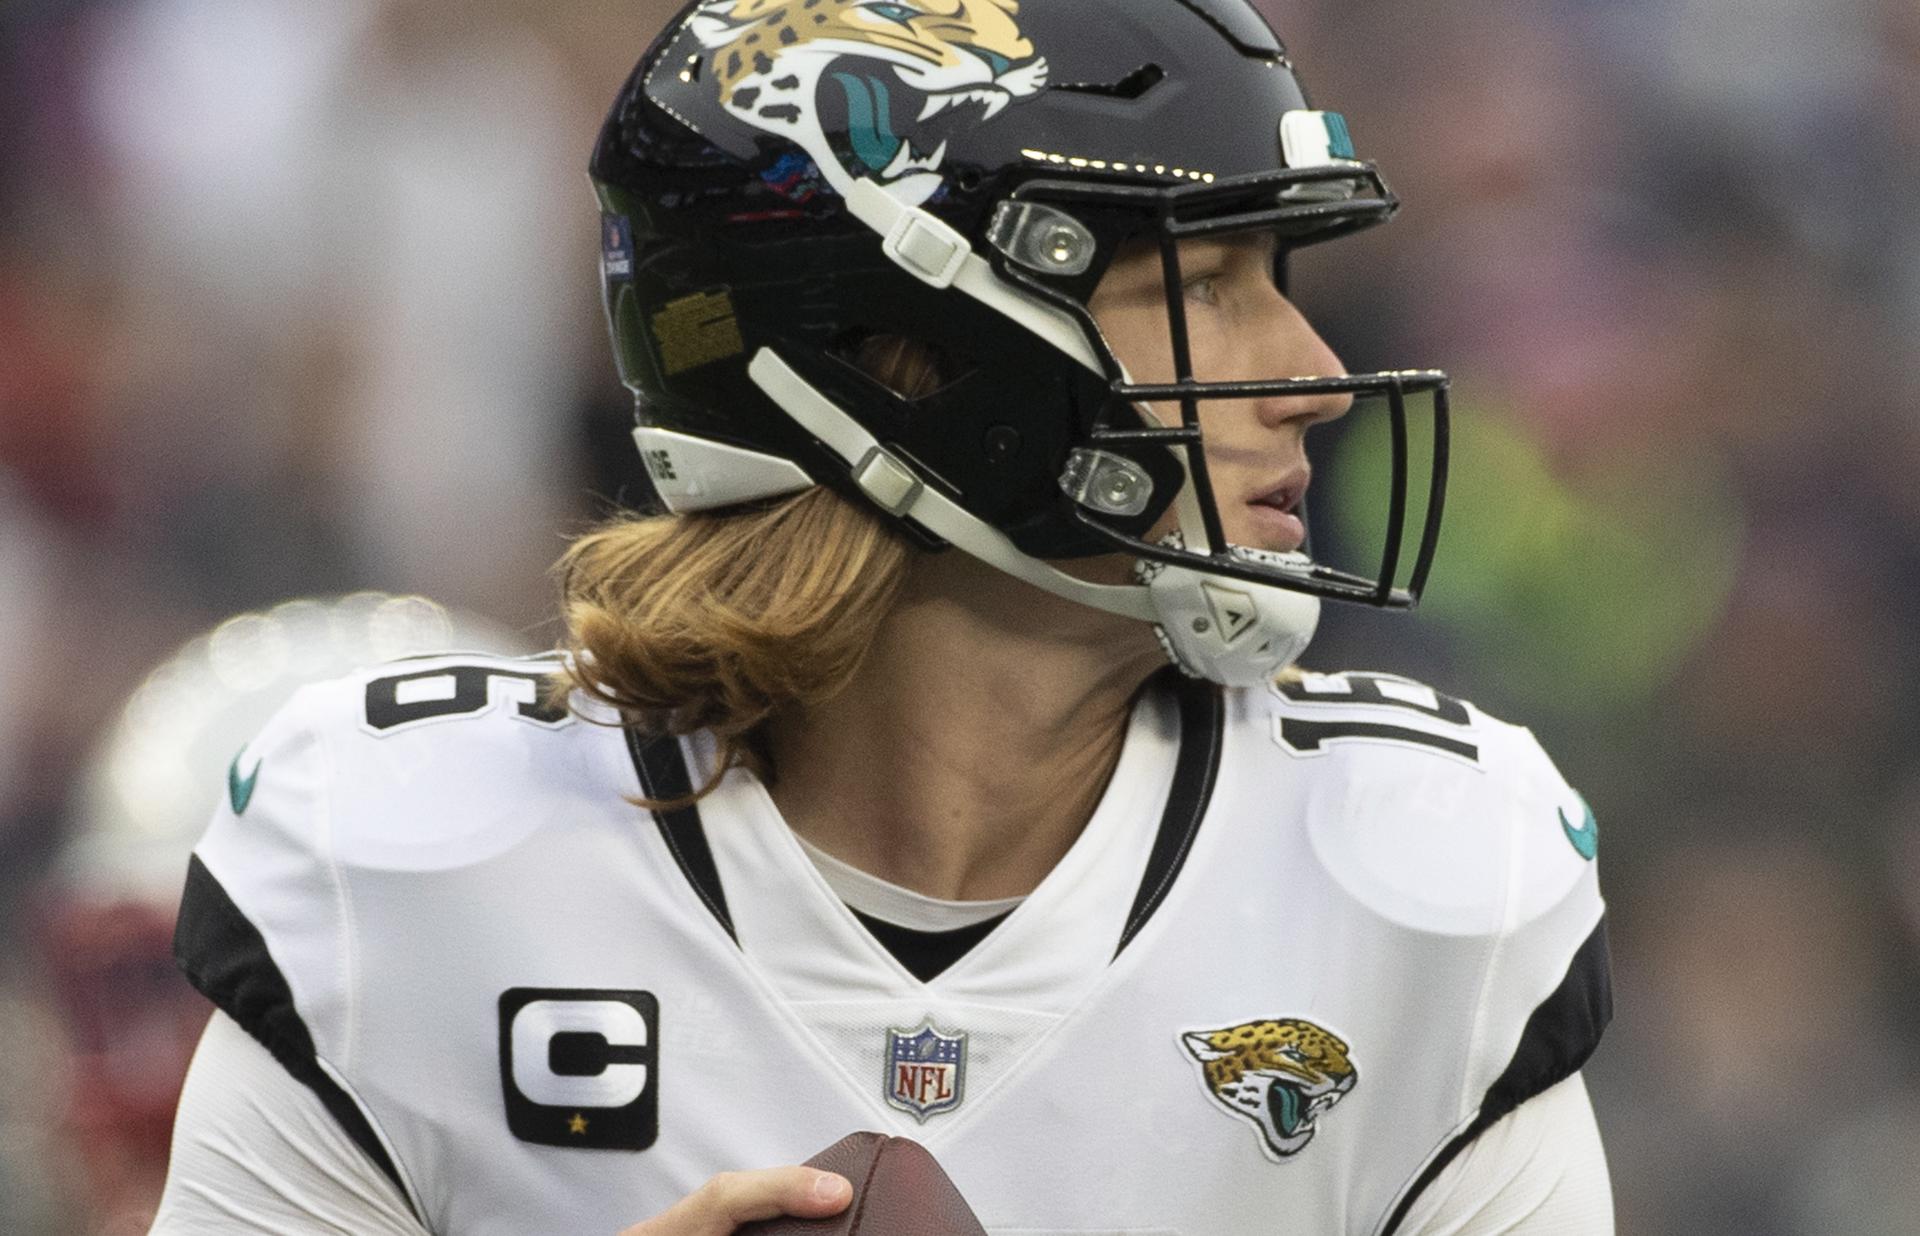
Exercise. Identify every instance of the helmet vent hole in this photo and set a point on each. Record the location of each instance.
(1130, 87)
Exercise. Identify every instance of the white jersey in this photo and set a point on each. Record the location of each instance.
(1313, 941)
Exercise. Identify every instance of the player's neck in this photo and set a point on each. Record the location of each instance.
(975, 741)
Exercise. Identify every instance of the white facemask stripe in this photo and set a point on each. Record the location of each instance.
(894, 486)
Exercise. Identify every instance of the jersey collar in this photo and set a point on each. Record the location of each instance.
(754, 877)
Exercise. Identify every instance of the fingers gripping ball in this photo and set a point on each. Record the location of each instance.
(898, 1190)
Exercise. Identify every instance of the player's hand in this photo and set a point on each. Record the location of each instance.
(733, 1198)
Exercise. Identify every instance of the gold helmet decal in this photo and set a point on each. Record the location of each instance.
(1281, 1075)
(868, 88)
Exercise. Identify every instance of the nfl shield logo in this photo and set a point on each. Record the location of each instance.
(925, 1070)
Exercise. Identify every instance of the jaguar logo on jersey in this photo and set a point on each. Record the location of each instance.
(868, 88)
(581, 1067)
(926, 1070)
(1282, 1075)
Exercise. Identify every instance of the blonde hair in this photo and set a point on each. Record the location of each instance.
(716, 622)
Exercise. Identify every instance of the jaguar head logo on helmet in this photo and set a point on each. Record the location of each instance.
(869, 87)
(803, 175)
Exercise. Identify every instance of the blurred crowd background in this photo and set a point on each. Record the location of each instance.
(300, 300)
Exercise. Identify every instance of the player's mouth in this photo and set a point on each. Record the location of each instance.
(1276, 515)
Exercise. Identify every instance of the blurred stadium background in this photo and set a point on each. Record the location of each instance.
(300, 300)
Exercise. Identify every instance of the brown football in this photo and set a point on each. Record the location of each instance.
(898, 1190)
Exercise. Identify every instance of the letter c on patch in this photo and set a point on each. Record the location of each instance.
(537, 1025)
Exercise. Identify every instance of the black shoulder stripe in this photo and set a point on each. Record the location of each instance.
(1202, 729)
(1557, 1040)
(225, 957)
(663, 777)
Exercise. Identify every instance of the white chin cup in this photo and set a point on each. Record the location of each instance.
(1228, 631)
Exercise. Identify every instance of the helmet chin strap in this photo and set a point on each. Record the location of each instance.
(1226, 631)
(1229, 632)
(897, 489)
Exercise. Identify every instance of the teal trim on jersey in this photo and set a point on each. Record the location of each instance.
(1586, 838)
(240, 789)
(1339, 137)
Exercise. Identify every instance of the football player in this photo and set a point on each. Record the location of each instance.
(936, 764)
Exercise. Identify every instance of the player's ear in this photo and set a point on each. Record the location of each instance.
(1201, 1049)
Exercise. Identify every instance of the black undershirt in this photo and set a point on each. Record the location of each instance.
(926, 954)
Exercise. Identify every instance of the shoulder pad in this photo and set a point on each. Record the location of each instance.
(1434, 813)
(438, 762)
(424, 764)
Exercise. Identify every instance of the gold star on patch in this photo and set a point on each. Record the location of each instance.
(578, 1124)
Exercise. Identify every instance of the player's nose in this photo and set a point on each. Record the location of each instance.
(1301, 352)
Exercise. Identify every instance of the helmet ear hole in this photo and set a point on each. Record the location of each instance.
(910, 368)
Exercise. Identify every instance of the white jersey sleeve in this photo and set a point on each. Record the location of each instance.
(256, 1151)
(301, 899)
(1540, 1171)
(265, 930)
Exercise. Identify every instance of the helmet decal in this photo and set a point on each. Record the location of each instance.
(868, 88)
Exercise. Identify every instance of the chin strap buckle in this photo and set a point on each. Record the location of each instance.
(917, 241)
(888, 482)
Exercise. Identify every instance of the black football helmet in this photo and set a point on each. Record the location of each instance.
(783, 179)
